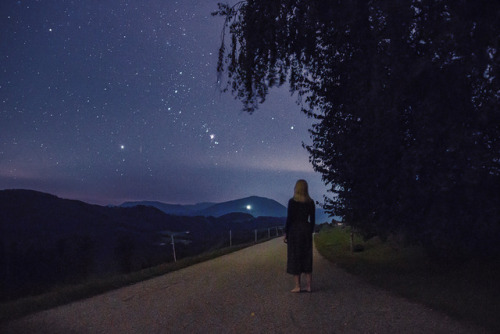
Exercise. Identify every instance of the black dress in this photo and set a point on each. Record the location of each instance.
(299, 229)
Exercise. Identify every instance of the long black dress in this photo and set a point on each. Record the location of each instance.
(299, 229)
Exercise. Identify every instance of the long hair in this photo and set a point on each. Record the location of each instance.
(301, 193)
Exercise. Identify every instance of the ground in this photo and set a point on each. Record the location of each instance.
(244, 292)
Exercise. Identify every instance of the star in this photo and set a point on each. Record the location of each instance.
(117, 85)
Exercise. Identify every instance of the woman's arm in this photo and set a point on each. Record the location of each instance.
(312, 216)
(288, 217)
(288, 220)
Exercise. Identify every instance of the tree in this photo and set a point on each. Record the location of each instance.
(406, 97)
(124, 253)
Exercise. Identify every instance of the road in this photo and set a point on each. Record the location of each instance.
(244, 292)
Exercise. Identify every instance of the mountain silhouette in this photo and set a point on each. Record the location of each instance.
(253, 205)
(172, 209)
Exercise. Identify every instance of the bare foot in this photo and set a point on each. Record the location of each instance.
(295, 290)
(308, 290)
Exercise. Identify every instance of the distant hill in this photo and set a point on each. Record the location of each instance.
(254, 205)
(172, 209)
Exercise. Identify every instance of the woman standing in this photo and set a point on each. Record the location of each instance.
(298, 235)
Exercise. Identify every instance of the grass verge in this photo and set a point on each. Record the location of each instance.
(66, 294)
(467, 290)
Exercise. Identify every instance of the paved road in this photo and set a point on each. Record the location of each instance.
(243, 292)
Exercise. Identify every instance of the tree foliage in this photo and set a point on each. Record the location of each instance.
(406, 96)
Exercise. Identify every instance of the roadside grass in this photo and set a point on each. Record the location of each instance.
(66, 294)
(467, 290)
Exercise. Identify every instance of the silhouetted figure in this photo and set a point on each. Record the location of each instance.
(298, 235)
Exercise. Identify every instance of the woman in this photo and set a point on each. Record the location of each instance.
(298, 235)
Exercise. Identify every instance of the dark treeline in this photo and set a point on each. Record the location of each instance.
(406, 95)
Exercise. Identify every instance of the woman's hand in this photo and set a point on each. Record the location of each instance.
(285, 240)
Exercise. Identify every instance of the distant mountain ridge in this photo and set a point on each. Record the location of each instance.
(171, 209)
(253, 205)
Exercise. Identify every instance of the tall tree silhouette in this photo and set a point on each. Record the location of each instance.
(406, 97)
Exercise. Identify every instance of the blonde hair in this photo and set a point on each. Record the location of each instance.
(301, 193)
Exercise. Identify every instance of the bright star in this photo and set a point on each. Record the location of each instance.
(249, 207)
(122, 147)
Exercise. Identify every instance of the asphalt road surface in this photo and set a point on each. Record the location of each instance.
(244, 292)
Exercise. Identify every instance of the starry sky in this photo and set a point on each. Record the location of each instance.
(113, 101)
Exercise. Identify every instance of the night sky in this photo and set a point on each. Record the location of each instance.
(112, 101)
